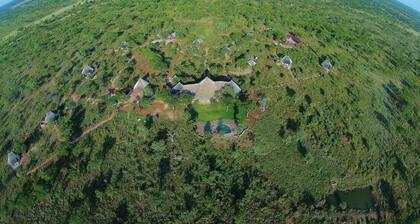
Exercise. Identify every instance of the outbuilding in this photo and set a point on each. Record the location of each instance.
(286, 61)
(49, 117)
(138, 90)
(87, 70)
(13, 160)
(327, 65)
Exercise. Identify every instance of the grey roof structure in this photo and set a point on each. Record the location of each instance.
(198, 41)
(50, 116)
(87, 70)
(123, 45)
(140, 85)
(251, 62)
(13, 160)
(205, 90)
(327, 64)
(172, 36)
(138, 89)
(286, 61)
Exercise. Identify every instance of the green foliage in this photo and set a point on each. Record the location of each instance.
(154, 57)
(26, 12)
(229, 108)
(65, 126)
(354, 127)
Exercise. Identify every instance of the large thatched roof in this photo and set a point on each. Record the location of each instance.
(205, 90)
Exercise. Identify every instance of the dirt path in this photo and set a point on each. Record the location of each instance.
(293, 76)
(241, 72)
(74, 96)
(158, 108)
(94, 127)
(58, 135)
(41, 165)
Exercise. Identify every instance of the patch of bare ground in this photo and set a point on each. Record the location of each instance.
(143, 65)
(253, 117)
(158, 108)
(58, 135)
(74, 96)
(125, 107)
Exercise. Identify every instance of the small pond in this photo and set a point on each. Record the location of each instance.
(359, 199)
(224, 129)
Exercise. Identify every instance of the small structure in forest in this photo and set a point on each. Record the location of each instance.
(13, 160)
(205, 90)
(290, 42)
(87, 70)
(252, 61)
(111, 92)
(172, 36)
(198, 41)
(287, 62)
(327, 65)
(138, 89)
(292, 39)
(124, 46)
(49, 117)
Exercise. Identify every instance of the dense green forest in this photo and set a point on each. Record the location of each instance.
(20, 13)
(312, 145)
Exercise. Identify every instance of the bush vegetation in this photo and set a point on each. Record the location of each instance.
(356, 127)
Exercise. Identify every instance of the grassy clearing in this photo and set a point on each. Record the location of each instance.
(216, 111)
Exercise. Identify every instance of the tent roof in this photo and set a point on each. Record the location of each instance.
(140, 85)
(13, 160)
(50, 116)
(87, 70)
(286, 60)
(326, 64)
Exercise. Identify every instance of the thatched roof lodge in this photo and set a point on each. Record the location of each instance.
(204, 91)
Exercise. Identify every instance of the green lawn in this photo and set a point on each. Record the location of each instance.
(211, 112)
